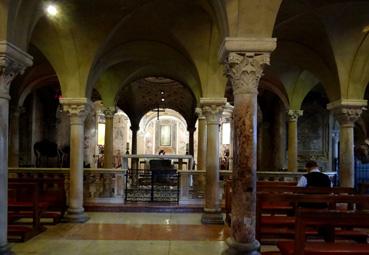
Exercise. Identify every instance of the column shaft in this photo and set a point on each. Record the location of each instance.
(77, 109)
(4, 113)
(109, 141)
(14, 136)
(244, 172)
(292, 139)
(347, 170)
(191, 141)
(201, 144)
(292, 146)
(212, 109)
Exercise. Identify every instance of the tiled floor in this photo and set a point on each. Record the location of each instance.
(130, 234)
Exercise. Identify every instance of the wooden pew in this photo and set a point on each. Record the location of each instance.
(24, 196)
(51, 194)
(278, 225)
(273, 185)
(330, 219)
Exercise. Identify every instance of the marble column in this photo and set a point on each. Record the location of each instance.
(191, 131)
(244, 69)
(201, 151)
(12, 62)
(14, 137)
(134, 161)
(347, 112)
(293, 116)
(212, 108)
(108, 143)
(77, 108)
(228, 118)
(279, 137)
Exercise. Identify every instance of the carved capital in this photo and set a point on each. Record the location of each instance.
(77, 109)
(13, 61)
(293, 115)
(200, 115)
(347, 115)
(109, 112)
(244, 71)
(212, 108)
(228, 112)
(347, 111)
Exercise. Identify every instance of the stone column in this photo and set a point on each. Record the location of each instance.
(293, 116)
(77, 109)
(228, 117)
(244, 69)
(346, 113)
(279, 134)
(12, 62)
(191, 131)
(134, 161)
(212, 108)
(201, 151)
(14, 137)
(108, 147)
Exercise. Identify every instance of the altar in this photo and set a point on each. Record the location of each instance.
(155, 178)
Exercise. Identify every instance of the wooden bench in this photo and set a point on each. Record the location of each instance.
(24, 197)
(51, 193)
(275, 224)
(329, 219)
(277, 186)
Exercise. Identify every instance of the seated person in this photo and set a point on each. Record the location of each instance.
(314, 178)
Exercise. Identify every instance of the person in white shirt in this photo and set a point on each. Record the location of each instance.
(314, 178)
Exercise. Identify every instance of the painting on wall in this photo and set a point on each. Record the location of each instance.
(165, 135)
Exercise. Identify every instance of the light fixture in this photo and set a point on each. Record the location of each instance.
(162, 99)
(51, 9)
(161, 92)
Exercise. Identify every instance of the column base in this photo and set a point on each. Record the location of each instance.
(5, 250)
(237, 248)
(76, 216)
(212, 218)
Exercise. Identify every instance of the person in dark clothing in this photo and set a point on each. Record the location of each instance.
(314, 178)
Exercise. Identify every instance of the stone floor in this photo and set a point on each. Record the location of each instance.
(130, 234)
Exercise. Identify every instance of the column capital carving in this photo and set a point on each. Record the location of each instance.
(200, 115)
(293, 115)
(13, 61)
(109, 111)
(77, 109)
(244, 70)
(212, 108)
(347, 111)
(228, 111)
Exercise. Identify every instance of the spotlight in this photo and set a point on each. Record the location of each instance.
(162, 99)
(51, 10)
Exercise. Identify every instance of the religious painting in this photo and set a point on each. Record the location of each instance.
(165, 135)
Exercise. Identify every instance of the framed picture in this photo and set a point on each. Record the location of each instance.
(165, 135)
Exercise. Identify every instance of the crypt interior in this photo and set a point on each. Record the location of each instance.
(230, 93)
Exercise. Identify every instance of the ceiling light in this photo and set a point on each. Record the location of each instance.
(161, 92)
(162, 99)
(51, 10)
